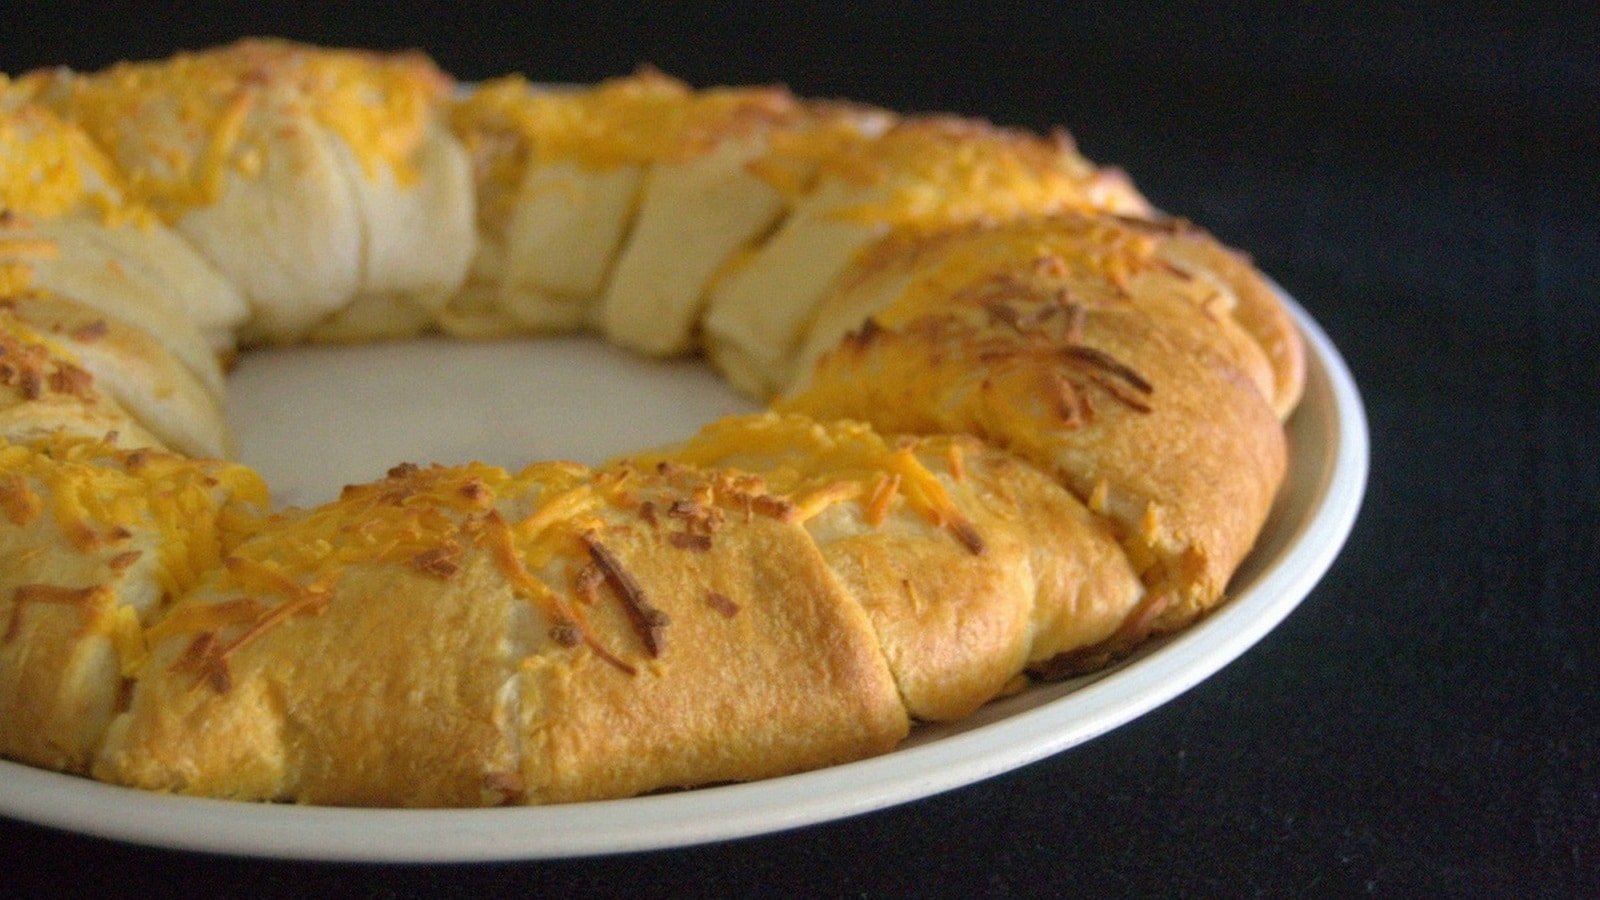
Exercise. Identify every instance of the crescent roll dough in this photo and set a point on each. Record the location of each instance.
(94, 541)
(290, 168)
(616, 203)
(918, 175)
(970, 563)
(133, 369)
(44, 391)
(497, 638)
(66, 226)
(1074, 344)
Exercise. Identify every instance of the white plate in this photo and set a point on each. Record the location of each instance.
(577, 398)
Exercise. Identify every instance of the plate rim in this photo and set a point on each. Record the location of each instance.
(706, 815)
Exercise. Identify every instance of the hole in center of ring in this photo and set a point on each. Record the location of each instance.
(313, 419)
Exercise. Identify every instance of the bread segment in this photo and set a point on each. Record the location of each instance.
(1097, 365)
(1106, 258)
(587, 195)
(332, 659)
(764, 664)
(67, 227)
(94, 541)
(417, 223)
(694, 216)
(970, 564)
(246, 150)
(918, 175)
(44, 391)
(133, 369)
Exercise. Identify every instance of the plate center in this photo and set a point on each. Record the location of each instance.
(313, 419)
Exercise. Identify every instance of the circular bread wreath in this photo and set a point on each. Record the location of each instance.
(1020, 421)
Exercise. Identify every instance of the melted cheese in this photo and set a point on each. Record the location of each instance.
(508, 126)
(817, 465)
(104, 499)
(193, 119)
(930, 172)
(398, 521)
(197, 509)
(640, 119)
(50, 168)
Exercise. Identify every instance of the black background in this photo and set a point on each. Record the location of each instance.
(1425, 182)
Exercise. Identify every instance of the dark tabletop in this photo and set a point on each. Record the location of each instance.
(1426, 184)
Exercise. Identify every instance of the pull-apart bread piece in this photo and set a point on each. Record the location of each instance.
(129, 366)
(1077, 344)
(614, 204)
(95, 542)
(916, 273)
(853, 189)
(67, 226)
(462, 636)
(323, 183)
(971, 564)
(45, 391)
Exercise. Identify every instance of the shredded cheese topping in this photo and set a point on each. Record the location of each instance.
(419, 518)
(34, 364)
(921, 172)
(1101, 259)
(931, 172)
(178, 127)
(815, 465)
(508, 125)
(104, 499)
(643, 118)
(49, 168)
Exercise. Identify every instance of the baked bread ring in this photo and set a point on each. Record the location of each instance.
(1025, 422)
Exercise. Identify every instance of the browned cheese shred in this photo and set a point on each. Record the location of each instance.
(123, 560)
(441, 561)
(685, 540)
(722, 604)
(91, 332)
(51, 595)
(648, 621)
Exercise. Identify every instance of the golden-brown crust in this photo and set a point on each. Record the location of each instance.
(793, 679)
(1125, 390)
(519, 673)
(1100, 258)
(969, 563)
(1258, 309)
(94, 540)
(916, 177)
(318, 711)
